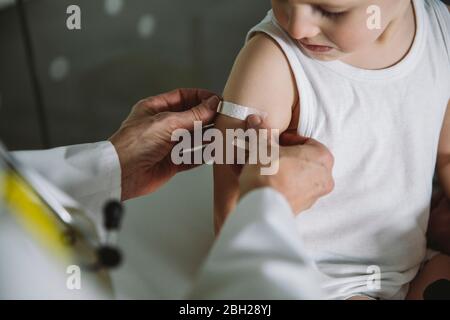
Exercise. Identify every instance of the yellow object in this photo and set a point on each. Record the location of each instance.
(33, 214)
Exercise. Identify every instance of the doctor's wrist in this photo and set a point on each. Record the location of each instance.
(128, 165)
(251, 181)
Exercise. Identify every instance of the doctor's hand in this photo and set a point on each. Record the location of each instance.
(143, 142)
(305, 170)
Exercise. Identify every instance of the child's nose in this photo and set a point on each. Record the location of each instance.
(301, 24)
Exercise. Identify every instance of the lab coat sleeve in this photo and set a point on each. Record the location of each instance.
(89, 173)
(259, 255)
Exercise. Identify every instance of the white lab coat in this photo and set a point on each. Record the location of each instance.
(258, 254)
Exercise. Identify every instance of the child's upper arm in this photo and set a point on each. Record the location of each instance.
(261, 79)
(444, 142)
(443, 160)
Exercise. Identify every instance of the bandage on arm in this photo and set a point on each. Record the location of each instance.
(238, 112)
(260, 83)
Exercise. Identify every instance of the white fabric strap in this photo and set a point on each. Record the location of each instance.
(238, 112)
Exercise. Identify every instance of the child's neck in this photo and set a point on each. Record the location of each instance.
(391, 47)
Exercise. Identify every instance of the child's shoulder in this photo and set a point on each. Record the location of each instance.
(262, 79)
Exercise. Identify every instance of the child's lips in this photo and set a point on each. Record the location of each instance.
(316, 48)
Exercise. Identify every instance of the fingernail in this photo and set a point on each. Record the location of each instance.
(213, 102)
(264, 115)
(254, 121)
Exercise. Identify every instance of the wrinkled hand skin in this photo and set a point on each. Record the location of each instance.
(143, 142)
(304, 175)
(438, 234)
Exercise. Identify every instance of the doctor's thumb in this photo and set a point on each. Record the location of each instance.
(255, 121)
(204, 112)
(258, 123)
(293, 139)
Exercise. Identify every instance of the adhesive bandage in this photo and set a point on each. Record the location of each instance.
(238, 112)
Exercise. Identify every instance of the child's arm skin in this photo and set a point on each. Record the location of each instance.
(443, 161)
(443, 158)
(262, 79)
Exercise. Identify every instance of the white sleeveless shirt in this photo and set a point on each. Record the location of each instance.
(383, 128)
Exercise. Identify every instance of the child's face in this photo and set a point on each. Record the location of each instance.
(333, 29)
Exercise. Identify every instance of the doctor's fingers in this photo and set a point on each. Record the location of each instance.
(292, 139)
(266, 136)
(315, 159)
(178, 100)
(205, 113)
(316, 151)
(291, 142)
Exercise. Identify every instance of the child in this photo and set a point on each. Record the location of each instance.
(377, 98)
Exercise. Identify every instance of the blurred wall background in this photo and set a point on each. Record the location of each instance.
(126, 50)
